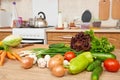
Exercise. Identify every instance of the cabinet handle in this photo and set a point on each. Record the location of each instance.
(112, 39)
(66, 37)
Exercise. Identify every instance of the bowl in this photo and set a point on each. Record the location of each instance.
(96, 24)
(85, 26)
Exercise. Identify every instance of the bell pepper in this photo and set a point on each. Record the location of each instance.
(80, 63)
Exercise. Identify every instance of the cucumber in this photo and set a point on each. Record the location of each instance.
(103, 56)
(93, 65)
(96, 73)
(57, 45)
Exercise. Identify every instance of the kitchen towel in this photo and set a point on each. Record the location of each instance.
(104, 9)
(116, 9)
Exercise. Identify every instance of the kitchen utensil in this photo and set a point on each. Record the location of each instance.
(104, 9)
(86, 16)
(116, 9)
(41, 22)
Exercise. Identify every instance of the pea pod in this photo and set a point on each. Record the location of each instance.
(80, 63)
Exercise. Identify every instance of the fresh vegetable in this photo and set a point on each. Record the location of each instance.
(80, 62)
(41, 63)
(34, 58)
(12, 40)
(27, 62)
(57, 45)
(47, 58)
(17, 56)
(100, 44)
(81, 41)
(2, 57)
(66, 63)
(111, 65)
(58, 71)
(69, 55)
(96, 73)
(102, 56)
(93, 65)
(58, 50)
(10, 55)
(55, 60)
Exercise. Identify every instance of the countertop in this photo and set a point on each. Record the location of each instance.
(106, 29)
(69, 30)
(12, 70)
(6, 29)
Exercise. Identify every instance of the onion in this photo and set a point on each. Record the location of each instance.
(27, 62)
(58, 71)
(56, 60)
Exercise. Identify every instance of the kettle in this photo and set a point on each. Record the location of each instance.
(41, 21)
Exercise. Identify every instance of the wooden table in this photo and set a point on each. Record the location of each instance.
(12, 70)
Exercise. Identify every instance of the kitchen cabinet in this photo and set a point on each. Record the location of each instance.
(4, 34)
(56, 37)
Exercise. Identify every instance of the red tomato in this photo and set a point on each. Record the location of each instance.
(111, 65)
(69, 55)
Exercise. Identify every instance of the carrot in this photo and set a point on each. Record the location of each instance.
(10, 56)
(2, 59)
(1, 51)
(17, 56)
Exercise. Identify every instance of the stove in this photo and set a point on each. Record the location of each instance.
(31, 35)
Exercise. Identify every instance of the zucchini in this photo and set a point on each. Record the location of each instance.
(96, 73)
(93, 65)
(103, 56)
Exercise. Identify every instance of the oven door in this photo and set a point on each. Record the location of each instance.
(32, 41)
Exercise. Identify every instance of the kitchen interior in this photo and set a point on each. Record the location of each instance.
(58, 16)
(57, 21)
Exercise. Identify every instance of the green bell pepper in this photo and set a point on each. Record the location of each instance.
(80, 63)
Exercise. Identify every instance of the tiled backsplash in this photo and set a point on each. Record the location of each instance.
(71, 9)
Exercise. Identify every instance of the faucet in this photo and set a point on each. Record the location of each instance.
(118, 24)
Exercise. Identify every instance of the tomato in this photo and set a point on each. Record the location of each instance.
(69, 55)
(111, 65)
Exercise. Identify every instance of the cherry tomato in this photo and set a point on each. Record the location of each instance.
(69, 55)
(111, 65)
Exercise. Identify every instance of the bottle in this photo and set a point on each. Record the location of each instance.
(60, 20)
(14, 15)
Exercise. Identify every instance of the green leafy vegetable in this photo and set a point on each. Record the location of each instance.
(12, 40)
(100, 44)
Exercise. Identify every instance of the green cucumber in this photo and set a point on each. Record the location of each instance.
(57, 45)
(96, 73)
(93, 65)
(103, 56)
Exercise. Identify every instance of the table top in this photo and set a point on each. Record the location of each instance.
(12, 70)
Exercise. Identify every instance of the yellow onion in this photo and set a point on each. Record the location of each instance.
(58, 71)
(27, 62)
(55, 60)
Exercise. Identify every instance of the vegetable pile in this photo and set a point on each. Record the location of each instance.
(5, 52)
(86, 52)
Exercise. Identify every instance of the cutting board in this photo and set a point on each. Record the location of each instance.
(116, 9)
(104, 9)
